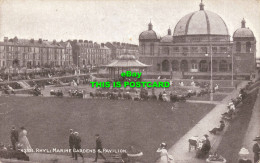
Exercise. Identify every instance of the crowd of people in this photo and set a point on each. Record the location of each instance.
(19, 147)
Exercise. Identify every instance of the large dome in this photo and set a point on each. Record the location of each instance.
(201, 22)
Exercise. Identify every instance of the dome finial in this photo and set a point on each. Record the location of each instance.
(243, 23)
(201, 5)
(169, 31)
(150, 26)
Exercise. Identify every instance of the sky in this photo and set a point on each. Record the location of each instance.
(114, 20)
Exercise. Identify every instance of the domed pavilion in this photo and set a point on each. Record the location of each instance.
(196, 36)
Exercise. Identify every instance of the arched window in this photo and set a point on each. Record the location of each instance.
(175, 65)
(203, 66)
(166, 50)
(158, 67)
(165, 65)
(248, 47)
(238, 47)
(184, 65)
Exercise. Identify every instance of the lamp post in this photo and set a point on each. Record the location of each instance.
(211, 80)
(232, 71)
(78, 71)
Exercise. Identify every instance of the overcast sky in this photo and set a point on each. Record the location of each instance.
(114, 20)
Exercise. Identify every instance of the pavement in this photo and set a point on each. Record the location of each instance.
(50, 158)
(180, 150)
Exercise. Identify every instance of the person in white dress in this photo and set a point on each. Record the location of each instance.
(23, 140)
(164, 156)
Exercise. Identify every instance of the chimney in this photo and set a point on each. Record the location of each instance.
(5, 39)
(15, 39)
(40, 40)
(54, 42)
(102, 45)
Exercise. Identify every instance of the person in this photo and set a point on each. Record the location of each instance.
(99, 148)
(77, 146)
(216, 87)
(23, 140)
(164, 156)
(14, 137)
(220, 128)
(205, 148)
(160, 96)
(125, 158)
(136, 96)
(164, 96)
(193, 84)
(71, 142)
(243, 153)
(171, 82)
(256, 149)
(181, 84)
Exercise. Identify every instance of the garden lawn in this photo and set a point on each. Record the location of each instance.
(206, 97)
(120, 123)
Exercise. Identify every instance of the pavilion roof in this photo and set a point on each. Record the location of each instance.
(126, 61)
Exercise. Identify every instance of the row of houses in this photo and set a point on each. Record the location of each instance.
(30, 53)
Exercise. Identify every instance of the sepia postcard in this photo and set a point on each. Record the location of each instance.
(129, 81)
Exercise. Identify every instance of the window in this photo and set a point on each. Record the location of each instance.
(238, 47)
(223, 49)
(15, 48)
(204, 50)
(166, 50)
(203, 66)
(143, 46)
(214, 49)
(185, 49)
(194, 49)
(248, 47)
(152, 49)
